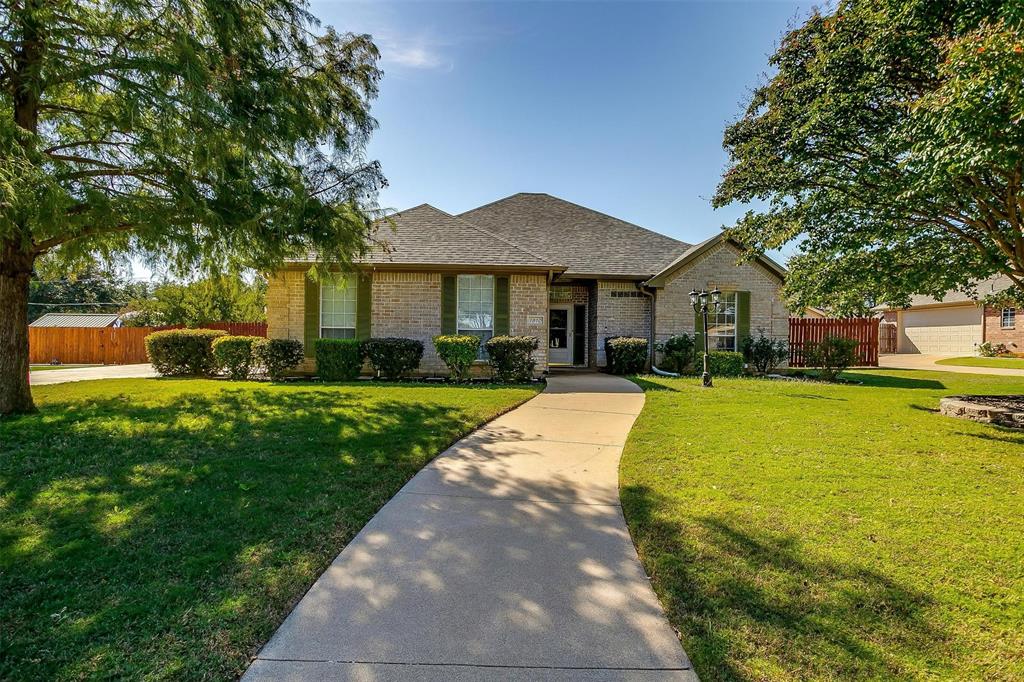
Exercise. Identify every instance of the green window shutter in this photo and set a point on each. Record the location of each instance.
(449, 303)
(312, 319)
(501, 306)
(698, 334)
(742, 317)
(364, 305)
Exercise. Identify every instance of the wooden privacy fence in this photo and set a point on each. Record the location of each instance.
(804, 331)
(109, 345)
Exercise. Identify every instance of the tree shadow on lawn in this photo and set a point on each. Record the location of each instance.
(749, 602)
(171, 539)
(885, 381)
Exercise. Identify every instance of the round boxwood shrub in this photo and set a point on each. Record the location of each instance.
(176, 352)
(625, 354)
(511, 357)
(234, 355)
(458, 352)
(277, 357)
(393, 357)
(725, 363)
(677, 351)
(338, 359)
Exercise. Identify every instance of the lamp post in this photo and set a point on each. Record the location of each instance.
(699, 301)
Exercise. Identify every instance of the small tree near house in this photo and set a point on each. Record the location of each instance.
(206, 135)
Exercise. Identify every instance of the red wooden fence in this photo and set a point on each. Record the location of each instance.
(810, 330)
(109, 345)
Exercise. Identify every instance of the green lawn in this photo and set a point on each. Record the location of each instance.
(1009, 363)
(163, 528)
(801, 531)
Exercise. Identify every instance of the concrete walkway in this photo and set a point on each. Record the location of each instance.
(506, 558)
(927, 362)
(60, 376)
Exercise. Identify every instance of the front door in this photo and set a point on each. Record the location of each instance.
(559, 336)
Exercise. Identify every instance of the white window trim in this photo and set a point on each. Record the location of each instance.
(735, 322)
(1003, 317)
(481, 356)
(352, 284)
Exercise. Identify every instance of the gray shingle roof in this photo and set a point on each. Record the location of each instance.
(985, 287)
(76, 320)
(584, 240)
(426, 235)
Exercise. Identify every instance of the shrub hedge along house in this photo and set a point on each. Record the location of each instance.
(530, 265)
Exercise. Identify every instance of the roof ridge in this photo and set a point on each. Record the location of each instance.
(616, 218)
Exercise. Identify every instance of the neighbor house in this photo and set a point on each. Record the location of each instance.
(957, 323)
(529, 264)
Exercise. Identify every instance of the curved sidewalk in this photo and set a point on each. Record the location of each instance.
(506, 558)
(928, 362)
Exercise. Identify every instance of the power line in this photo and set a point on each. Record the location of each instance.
(58, 305)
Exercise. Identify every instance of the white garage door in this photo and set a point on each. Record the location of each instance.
(941, 330)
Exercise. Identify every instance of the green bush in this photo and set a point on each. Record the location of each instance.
(625, 354)
(511, 357)
(677, 351)
(725, 363)
(393, 357)
(988, 349)
(764, 353)
(338, 359)
(183, 351)
(458, 352)
(234, 355)
(831, 355)
(277, 357)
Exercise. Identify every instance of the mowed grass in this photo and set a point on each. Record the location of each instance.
(1008, 363)
(162, 529)
(801, 531)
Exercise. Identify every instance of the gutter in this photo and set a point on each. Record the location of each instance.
(650, 337)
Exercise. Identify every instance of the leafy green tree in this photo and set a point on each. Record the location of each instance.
(215, 299)
(203, 134)
(90, 289)
(889, 145)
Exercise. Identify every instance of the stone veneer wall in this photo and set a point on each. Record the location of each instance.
(718, 268)
(994, 334)
(408, 304)
(621, 310)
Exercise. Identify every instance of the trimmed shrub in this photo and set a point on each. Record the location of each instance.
(177, 352)
(764, 353)
(511, 357)
(677, 351)
(988, 349)
(393, 357)
(458, 352)
(338, 359)
(625, 354)
(277, 357)
(831, 355)
(234, 355)
(725, 363)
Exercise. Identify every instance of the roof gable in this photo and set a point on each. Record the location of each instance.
(586, 241)
(697, 250)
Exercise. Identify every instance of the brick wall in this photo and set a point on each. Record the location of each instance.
(408, 304)
(718, 268)
(995, 334)
(621, 310)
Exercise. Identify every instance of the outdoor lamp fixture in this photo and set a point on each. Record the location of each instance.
(699, 301)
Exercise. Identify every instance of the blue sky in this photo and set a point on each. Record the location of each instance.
(616, 106)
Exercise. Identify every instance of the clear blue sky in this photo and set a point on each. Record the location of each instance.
(616, 106)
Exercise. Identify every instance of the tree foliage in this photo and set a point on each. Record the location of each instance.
(93, 288)
(200, 134)
(213, 299)
(890, 145)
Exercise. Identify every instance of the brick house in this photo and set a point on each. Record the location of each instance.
(957, 323)
(529, 264)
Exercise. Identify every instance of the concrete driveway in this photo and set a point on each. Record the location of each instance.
(60, 376)
(506, 558)
(927, 362)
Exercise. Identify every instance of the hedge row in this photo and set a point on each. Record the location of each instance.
(203, 352)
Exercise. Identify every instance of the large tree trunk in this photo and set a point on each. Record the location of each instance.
(15, 272)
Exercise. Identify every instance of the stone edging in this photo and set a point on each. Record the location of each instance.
(986, 409)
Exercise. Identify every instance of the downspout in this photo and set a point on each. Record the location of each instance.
(650, 336)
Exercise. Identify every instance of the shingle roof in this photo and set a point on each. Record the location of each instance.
(75, 320)
(425, 235)
(584, 240)
(696, 250)
(985, 287)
